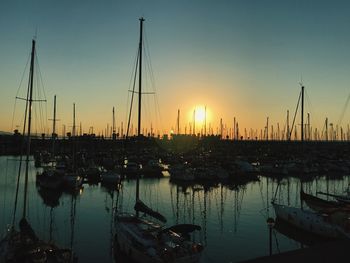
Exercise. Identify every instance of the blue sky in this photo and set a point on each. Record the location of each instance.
(242, 59)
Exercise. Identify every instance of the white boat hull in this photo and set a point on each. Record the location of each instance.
(141, 249)
(308, 221)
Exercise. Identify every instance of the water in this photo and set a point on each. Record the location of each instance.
(233, 219)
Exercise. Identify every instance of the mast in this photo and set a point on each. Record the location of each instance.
(30, 87)
(288, 132)
(205, 121)
(267, 128)
(140, 77)
(139, 115)
(54, 126)
(73, 131)
(113, 124)
(221, 130)
(234, 128)
(73, 137)
(178, 121)
(308, 127)
(194, 122)
(302, 140)
(302, 113)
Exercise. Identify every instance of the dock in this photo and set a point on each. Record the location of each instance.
(333, 251)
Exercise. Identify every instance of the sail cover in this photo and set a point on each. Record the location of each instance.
(141, 207)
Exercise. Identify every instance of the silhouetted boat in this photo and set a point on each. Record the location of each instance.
(146, 240)
(323, 206)
(309, 221)
(72, 178)
(111, 177)
(345, 199)
(23, 245)
(50, 178)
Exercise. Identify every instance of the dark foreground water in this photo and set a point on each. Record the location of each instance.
(233, 218)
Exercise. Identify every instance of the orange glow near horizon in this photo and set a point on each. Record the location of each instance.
(201, 117)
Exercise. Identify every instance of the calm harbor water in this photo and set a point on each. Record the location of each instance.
(233, 218)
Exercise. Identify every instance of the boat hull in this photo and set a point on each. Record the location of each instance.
(138, 248)
(307, 221)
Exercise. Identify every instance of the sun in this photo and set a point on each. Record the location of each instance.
(199, 114)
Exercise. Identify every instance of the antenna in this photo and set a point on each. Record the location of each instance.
(301, 83)
(36, 33)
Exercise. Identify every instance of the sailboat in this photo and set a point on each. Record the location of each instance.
(148, 240)
(324, 206)
(23, 245)
(313, 222)
(71, 179)
(50, 177)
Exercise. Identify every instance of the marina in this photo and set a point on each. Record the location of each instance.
(230, 216)
(214, 166)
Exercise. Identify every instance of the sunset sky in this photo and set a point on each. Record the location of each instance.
(241, 59)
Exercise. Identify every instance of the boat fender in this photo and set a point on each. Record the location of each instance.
(194, 248)
(199, 247)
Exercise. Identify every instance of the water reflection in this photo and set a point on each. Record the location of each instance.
(230, 215)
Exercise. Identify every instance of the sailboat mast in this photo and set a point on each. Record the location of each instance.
(73, 139)
(302, 113)
(288, 132)
(205, 121)
(54, 126)
(31, 75)
(73, 131)
(194, 122)
(140, 77)
(113, 122)
(140, 95)
(178, 121)
(54, 117)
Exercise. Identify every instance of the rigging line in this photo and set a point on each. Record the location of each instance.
(159, 114)
(344, 110)
(295, 114)
(156, 102)
(132, 82)
(146, 107)
(37, 110)
(132, 95)
(148, 65)
(276, 191)
(21, 156)
(40, 75)
(19, 87)
(132, 78)
(262, 195)
(147, 52)
(4, 197)
(146, 102)
(43, 89)
(40, 84)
